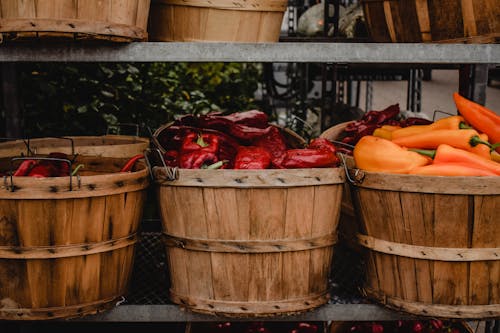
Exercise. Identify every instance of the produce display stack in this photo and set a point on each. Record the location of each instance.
(250, 210)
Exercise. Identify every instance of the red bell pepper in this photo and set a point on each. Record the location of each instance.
(252, 158)
(309, 158)
(197, 159)
(205, 141)
(195, 152)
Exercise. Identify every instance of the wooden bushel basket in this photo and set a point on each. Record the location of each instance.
(67, 243)
(119, 146)
(433, 243)
(115, 20)
(249, 242)
(415, 21)
(216, 20)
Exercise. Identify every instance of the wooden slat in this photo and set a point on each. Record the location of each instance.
(267, 218)
(431, 184)
(450, 280)
(484, 284)
(269, 178)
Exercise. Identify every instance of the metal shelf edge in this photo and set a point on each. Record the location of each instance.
(174, 313)
(253, 52)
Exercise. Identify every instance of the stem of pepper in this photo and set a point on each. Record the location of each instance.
(77, 168)
(200, 142)
(463, 125)
(216, 165)
(425, 152)
(476, 140)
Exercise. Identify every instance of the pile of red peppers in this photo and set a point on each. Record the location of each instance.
(376, 119)
(243, 140)
(44, 168)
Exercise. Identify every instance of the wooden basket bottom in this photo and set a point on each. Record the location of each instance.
(435, 310)
(71, 311)
(12, 29)
(250, 308)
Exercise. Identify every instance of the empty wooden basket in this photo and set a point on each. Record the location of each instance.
(250, 242)
(115, 20)
(216, 20)
(415, 21)
(67, 244)
(433, 243)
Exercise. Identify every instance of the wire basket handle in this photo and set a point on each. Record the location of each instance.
(11, 168)
(170, 172)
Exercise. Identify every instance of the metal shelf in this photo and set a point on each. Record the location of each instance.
(254, 52)
(174, 313)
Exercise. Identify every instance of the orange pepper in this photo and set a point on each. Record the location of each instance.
(452, 122)
(380, 155)
(446, 154)
(460, 138)
(450, 169)
(480, 117)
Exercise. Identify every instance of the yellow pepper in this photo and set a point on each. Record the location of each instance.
(385, 131)
(380, 155)
(452, 122)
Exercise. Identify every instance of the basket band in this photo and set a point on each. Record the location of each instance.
(251, 5)
(435, 310)
(429, 253)
(249, 246)
(251, 308)
(73, 26)
(57, 312)
(251, 179)
(65, 251)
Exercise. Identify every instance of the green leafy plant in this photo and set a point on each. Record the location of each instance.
(87, 98)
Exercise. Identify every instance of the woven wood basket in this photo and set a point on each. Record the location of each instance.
(119, 146)
(433, 243)
(216, 20)
(115, 20)
(415, 21)
(67, 243)
(249, 242)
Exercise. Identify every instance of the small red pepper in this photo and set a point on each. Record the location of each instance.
(61, 167)
(131, 162)
(24, 168)
(171, 158)
(252, 157)
(274, 142)
(309, 158)
(322, 143)
(252, 118)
